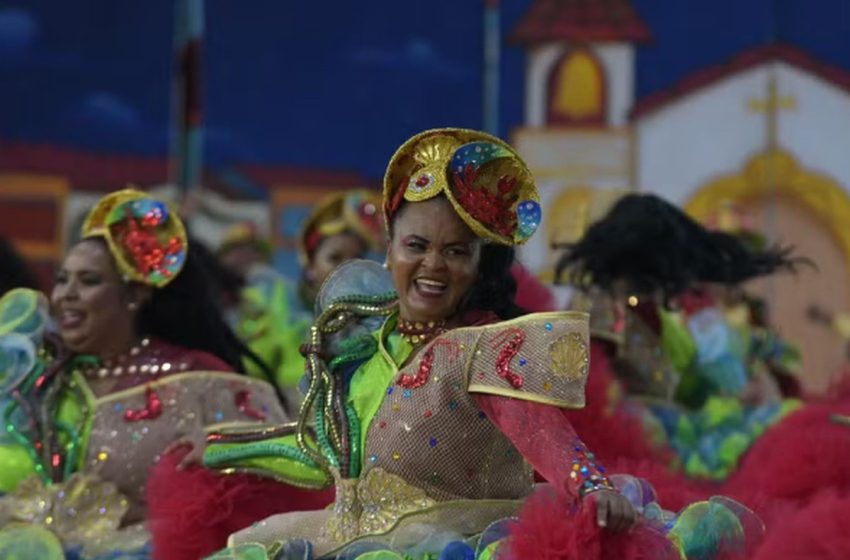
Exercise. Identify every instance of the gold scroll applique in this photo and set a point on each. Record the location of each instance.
(81, 511)
(569, 357)
(373, 504)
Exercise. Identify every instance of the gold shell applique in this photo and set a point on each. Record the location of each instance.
(569, 357)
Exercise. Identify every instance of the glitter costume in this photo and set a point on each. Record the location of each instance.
(792, 471)
(75, 461)
(431, 444)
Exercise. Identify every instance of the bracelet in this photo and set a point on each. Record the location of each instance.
(586, 474)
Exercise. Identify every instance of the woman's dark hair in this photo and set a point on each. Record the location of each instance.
(225, 284)
(656, 248)
(14, 271)
(495, 287)
(185, 314)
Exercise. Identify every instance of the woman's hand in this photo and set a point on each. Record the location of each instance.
(613, 511)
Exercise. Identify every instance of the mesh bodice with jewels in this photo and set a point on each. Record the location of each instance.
(170, 394)
(431, 431)
(463, 422)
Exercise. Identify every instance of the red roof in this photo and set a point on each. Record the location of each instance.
(744, 61)
(580, 21)
(102, 172)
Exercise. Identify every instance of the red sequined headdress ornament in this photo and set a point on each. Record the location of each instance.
(145, 237)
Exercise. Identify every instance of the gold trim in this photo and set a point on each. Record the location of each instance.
(245, 425)
(138, 389)
(778, 172)
(486, 505)
(522, 395)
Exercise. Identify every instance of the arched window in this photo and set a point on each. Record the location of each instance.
(577, 90)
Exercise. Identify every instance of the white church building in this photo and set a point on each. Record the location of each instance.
(761, 140)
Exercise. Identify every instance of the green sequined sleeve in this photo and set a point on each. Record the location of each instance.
(273, 457)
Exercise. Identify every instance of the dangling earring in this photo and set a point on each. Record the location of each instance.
(133, 306)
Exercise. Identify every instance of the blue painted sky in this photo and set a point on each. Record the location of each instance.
(328, 84)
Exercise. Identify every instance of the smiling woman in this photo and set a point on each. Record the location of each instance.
(430, 394)
(434, 260)
(142, 363)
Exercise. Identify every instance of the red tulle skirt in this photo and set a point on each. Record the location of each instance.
(552, 528)
(192, 512)
(817, 531)
(796, 477)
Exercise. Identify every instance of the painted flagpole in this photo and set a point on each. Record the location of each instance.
(490, 90)
(187, 131)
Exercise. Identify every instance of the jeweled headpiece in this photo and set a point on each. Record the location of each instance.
(486, 181)
(146, 238)
(358, 211)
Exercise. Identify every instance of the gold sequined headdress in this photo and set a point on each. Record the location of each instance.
(486, 181)
(357, 211)
(146, 237)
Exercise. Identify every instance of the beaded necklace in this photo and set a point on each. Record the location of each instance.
(118, 366)
(417, 332)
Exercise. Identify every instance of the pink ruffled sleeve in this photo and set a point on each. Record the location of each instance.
(547, 440)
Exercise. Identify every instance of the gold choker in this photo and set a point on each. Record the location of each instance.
(419, 332)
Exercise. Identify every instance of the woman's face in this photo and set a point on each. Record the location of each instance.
(91, 302)
(433, 257)
(332, 252)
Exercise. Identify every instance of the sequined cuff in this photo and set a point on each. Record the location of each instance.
(586, 475)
